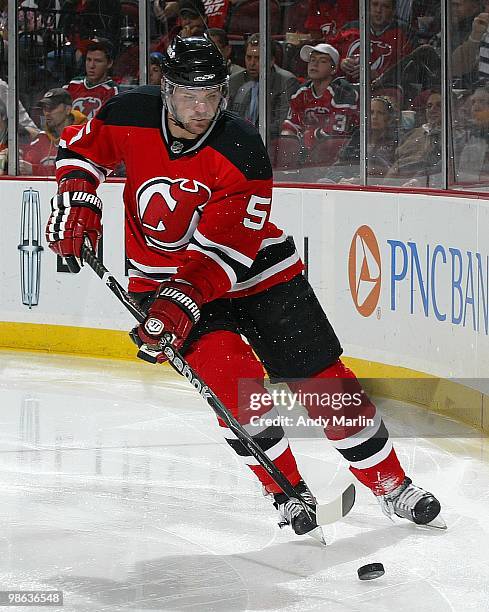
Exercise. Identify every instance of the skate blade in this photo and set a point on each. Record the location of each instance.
(317, 534)
(437, 523)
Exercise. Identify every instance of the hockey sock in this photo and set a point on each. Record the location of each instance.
(224, 361)
(354, 426)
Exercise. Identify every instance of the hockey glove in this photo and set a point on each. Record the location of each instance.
(174, 312)
(76, 212)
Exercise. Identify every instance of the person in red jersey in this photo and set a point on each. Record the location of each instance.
(389, 42)
(90, 92)
(39, 157)
(210, 268)
(326, 17)
(324, 106)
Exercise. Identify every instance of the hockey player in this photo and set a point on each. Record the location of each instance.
(90, 92)
(209, 267)
(324, 106)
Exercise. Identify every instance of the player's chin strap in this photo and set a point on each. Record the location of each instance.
(324, 513)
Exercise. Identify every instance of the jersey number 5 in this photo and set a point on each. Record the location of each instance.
(256, 216)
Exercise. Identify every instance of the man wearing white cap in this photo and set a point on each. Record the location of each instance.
(324, 105)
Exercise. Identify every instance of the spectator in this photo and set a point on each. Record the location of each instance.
(40, 155)
(193, 21)
(164, 11)
(80, 21)
(382, 140)
(24, 120)
(471, 57)
(221, 40)
(89, 93)
(420, 70)
(244, 87)
(326, 17)
(155, 68)
(24, 138)
(473, 160)
(420, 153)
(389, 42)
(325, 105)
(463, 14)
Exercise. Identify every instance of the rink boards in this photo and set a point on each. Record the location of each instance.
(403, 277)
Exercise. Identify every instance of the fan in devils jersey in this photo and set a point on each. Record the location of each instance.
(89, 93)
(209, 268)
(389, 42)
(324, 106)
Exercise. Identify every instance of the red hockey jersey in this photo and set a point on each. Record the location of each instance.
(330, 16)
(199, 209)
(386, 48)
(88, 99)
(335, 111)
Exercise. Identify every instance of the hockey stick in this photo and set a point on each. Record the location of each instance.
(325, 513)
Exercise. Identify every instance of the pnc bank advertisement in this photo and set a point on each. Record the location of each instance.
(421, 270)
(415, 284)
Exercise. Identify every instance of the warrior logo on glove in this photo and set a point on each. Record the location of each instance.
(154, 326)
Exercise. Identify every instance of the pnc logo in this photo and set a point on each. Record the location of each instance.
(364, 270)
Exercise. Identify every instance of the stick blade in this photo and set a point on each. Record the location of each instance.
(336, 509)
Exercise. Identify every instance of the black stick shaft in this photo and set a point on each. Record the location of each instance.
(180, 365)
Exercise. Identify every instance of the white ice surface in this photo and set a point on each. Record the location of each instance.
(116, 487)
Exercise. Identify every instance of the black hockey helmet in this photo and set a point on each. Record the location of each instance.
(194, 62)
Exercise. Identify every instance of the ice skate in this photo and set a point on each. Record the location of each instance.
(414, 504)
(293, 513)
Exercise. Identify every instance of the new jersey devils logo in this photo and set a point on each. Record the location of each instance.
(312, 115)
(379, 50)
(88, 106)
(169, 210)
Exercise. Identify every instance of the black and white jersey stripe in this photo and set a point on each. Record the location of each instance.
(156, 273)
(234, 263)
(271, 259)
(66, 157)
(275, 255)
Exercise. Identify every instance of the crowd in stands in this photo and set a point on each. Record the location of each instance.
(76, 54)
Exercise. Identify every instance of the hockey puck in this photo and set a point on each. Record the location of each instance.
(371, 571)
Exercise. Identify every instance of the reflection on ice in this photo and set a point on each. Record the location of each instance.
(118, 489)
